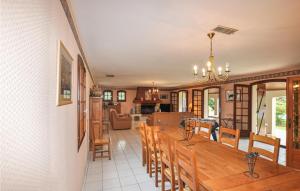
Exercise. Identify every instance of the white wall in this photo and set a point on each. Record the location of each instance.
(254, 108)
(38, 139)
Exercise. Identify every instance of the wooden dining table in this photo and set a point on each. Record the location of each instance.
(221, 167)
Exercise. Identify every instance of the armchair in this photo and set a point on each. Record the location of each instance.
(119, 121)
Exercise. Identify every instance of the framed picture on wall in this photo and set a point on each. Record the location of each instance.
(229, 95)
(163, 96)
(64, 76)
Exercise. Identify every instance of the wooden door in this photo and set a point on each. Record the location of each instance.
(242, 109)
(174, 101)
(96, 116)
(81, 101)
(293, 131)
(197, 102)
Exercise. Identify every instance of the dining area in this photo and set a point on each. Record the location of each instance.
(189, 159)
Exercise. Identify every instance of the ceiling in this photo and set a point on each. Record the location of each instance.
(142, 41)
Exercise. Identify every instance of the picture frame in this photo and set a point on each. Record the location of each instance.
(64, 75)
(229, 94)
(163, 96)
(148, 96)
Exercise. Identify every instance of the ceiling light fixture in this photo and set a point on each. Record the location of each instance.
(154, 90)
(211, 73)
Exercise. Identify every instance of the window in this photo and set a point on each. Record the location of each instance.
(121, 96)
(107, 95)
(182, 101)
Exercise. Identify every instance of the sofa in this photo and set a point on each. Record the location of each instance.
(167, 118)
(119, 121)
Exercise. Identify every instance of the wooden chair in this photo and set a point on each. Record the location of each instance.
(99, 143)
(186, 168)
(205, 129)
(233, 142)
(144, 145)
(275, 142)
(153, 154)
(167, 161)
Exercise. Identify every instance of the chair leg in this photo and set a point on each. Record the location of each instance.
(181, 186)
(143, 156)
(94, 153)
(173, 184)
(163, 179)
(156, 173)
(147, 161)
(109, 152)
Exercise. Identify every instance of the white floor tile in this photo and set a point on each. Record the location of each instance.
(111, 183)
(134, 187)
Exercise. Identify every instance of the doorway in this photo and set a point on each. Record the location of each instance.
(183, 101)
(212, 103)
(269, 110)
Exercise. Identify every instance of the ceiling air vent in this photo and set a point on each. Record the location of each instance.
(224, 30)
(109, 75)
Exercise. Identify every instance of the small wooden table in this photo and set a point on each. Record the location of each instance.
(222, 168)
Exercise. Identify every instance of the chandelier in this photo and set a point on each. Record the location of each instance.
(153, 91)
(211, 73)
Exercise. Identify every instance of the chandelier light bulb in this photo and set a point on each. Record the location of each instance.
(220, 70)
(227, 67)
(195, 70)
(203, 72)
(208, 66)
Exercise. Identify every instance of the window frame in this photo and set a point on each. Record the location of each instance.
(111, 98)
(121, 91)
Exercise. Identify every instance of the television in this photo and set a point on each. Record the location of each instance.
(165, 107)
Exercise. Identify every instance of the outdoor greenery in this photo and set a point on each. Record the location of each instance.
(211, 103)
(281, 111)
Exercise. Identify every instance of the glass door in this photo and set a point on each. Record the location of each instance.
(242, 109)
(197, 103)
(174, 101)
(293, 132)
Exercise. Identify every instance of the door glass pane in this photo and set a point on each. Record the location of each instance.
(182, 101)
(296, 108)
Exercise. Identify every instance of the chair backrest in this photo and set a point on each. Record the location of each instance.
(165, 151)
(94, 133)
(275, 142)
(186, 167)
(150, 139)
(143, 134)
(228, 140)
(205, 129)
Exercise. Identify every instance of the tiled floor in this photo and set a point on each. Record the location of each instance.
(125, 172)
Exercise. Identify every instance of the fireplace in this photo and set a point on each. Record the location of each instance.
(147, 108)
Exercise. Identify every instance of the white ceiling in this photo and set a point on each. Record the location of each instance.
(160, 40)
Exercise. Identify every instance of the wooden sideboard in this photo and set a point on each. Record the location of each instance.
(95, 117)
